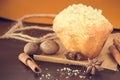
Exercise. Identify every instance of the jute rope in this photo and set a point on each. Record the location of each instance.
(15, 31)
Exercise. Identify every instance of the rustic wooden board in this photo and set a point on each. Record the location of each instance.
(109, 62)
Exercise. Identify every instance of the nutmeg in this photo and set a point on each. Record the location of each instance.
(49, 47)
(31, 48)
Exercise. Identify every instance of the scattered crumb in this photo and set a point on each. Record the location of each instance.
(46, 68)
(40, 78)
(82, 77)
(66, 73)
(42, 75)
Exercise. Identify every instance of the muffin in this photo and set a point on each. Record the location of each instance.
(82, 29)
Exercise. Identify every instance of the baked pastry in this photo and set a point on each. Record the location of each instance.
(82, 29)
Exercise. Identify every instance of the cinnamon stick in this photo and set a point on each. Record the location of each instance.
(115, 53)
(116, 42)
(28, 61)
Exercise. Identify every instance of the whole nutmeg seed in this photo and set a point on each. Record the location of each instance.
(31, 48)
(49, 47)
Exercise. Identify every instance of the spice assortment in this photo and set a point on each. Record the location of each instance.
(48, 44)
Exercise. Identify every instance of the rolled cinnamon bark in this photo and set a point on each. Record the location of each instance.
(115, 53)
(28, 61)
(116, 42)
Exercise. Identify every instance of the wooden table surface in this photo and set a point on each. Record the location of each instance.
(12, 69)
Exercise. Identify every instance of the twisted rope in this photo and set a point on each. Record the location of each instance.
(18, 27)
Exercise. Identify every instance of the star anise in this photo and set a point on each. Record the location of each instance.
(93, 66)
